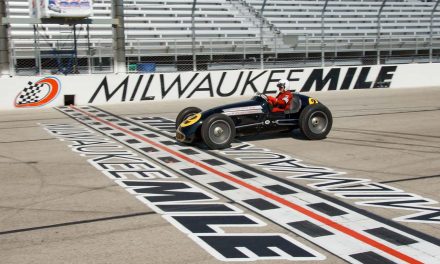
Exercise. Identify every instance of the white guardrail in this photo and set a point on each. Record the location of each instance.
(50, 91)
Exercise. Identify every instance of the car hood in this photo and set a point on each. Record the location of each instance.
(248, 105)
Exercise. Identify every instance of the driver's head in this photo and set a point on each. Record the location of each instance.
(282, 85)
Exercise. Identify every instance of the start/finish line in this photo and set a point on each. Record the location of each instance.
(333, 227)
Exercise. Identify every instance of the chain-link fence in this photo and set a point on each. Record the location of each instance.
(70, 52)
(62, 56)
(242, 40)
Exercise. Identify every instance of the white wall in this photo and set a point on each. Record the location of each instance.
(102, 89)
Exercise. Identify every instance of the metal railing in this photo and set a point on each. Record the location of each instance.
(56, 56)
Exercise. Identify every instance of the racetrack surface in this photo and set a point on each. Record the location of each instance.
(56, 206)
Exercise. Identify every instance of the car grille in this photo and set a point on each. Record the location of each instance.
(180, 136)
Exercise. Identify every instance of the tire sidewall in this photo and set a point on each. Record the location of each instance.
(307, 113)
(206, 127)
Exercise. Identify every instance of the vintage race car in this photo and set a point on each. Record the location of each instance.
(218, 126)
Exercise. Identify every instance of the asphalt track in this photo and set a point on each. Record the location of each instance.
(57, 207)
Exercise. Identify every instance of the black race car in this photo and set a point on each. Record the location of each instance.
(218, 126)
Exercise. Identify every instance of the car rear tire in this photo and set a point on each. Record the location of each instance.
(218, 131)
(185, 113)
(315, 121)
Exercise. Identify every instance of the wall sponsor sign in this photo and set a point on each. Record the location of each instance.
(120, 88)
(39, 93)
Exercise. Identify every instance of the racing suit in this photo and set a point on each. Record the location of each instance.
(281, 102)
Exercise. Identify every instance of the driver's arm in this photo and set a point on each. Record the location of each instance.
(284, 100)
(271, 100)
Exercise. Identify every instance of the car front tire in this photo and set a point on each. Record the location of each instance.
(218, 131)
(185, 113)
(315, 121)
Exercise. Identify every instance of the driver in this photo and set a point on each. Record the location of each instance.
(282, 101)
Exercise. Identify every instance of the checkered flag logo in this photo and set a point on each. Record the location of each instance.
(38, 93)
(31, 94)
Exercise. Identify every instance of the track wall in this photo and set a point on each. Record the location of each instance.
(49, 91)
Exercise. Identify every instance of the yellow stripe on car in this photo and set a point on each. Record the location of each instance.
(192, 119)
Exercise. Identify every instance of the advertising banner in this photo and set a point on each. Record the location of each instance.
(49, 91)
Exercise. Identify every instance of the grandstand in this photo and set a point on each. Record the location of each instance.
(161, 31)
(353, 24)
(349, 18)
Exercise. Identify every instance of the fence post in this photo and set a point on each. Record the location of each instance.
(75, 51)
(363, 46)
(36, 52)
(193, 35)
(307, 46)
(322, 33)
(417, 46)
(100, 55)
(244, 49)
(210, 45)
(139, 47)
(119, 36)
(379, 27)
(390, 39)
(4, 43)
(430, 30)
(261, 35)
(175, 50)
(12, 60)
(89, 51)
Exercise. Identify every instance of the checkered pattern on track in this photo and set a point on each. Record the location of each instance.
(161, 149)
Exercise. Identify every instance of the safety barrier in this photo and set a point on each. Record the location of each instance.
(49, 91)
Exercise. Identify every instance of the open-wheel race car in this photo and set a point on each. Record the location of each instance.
(218, 126)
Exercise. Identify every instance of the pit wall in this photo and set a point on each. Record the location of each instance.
(50, 91)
